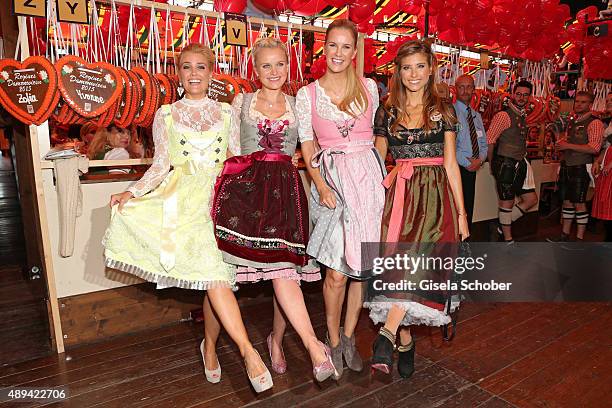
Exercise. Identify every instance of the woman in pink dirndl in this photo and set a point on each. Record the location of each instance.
(347, 197)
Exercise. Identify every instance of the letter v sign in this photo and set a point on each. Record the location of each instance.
(236, 30)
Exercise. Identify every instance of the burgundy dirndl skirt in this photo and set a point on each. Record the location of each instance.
(260, 209)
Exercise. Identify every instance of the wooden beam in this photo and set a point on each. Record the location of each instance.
(52, 304)
(48, 164)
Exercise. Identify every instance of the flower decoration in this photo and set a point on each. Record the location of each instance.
(435, 116)
(66, 69)
(44, 76)
(272, 133)
(109, 79)
(4, 75)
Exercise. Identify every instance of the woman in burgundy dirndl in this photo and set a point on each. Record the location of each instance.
(260, 208)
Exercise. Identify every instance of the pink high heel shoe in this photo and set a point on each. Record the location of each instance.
(326, 369)
(278, 367)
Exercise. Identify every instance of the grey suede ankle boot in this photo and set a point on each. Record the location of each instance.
(336, 356)
(350, 353)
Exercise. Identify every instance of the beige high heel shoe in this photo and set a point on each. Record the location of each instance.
(263, 381)
(212, 376)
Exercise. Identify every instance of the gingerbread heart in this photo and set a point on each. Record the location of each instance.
(535, 108)
(28, 89)
(245, 86)
(145, 79)
(167, 90)
(223, 88)
(89, 88)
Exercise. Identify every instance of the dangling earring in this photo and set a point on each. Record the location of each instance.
(180, 90)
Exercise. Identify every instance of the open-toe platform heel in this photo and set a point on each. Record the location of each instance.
(382, 356)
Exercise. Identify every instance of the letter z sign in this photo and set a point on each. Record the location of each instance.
(34, 8)
(236, 29)
(73, 11)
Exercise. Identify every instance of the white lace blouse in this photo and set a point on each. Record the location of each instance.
(187, 115)
(325, 108)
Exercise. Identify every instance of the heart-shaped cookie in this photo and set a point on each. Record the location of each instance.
(145, 79)
(28, 89)
(223, 88)
(89, 89)
(167, 89)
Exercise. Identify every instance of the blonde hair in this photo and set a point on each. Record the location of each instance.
(267, 42)
(198, 48)
(432, 100)
(356, 92)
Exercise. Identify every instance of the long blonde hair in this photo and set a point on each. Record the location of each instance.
(432, 100)
(356, 92)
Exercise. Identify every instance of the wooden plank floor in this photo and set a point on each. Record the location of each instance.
(504, 355)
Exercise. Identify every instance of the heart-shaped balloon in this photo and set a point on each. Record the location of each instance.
(28, 89)
(89, 88)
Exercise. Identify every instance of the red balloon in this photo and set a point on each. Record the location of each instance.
(362, 10)
(272, 6)
(446, 19)
(576, 31)
(411, 7)
(483, 4)
(436, 6)
(573, 55)
(336, 3)
(433, 25)
(550, 5)
(369, 53)
(366, 27)
(564, 11)
(318, 68)
(590, 13)
(453, 36)
(307, 8)
(230, 6)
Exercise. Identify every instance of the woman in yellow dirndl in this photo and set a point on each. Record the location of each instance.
(161, 229)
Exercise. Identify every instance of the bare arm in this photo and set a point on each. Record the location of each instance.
(326, 195)
(454, 179)
(382, 145)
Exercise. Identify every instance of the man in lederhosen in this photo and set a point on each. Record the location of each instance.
(580, 145)
(507, 139)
